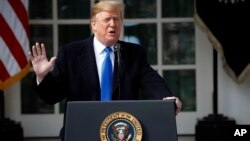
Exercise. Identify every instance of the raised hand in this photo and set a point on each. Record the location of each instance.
(40, 62)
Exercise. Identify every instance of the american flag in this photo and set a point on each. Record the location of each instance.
(14, 41)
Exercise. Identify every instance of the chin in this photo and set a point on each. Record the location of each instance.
(113, 40)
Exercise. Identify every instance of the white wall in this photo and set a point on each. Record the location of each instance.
(233, 98)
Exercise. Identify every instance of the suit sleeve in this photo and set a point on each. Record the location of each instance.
(53, 88)
(151, 82)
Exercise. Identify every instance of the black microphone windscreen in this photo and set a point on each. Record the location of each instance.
(118, 47)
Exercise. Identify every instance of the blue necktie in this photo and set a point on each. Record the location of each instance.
(106, 83)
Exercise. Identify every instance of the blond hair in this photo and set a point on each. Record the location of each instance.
(107, 5)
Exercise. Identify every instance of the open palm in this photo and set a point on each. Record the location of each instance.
(40, 62)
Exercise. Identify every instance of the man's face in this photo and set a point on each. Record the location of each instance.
(107, 27)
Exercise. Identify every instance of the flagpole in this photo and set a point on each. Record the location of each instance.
(1, 105)
(214, 124)
(215, 92)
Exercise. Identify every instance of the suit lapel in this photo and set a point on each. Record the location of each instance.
(124, 59)
(88, 65)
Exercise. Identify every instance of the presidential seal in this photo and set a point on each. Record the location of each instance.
(120, 126)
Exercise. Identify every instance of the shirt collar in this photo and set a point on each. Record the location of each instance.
(99, 47)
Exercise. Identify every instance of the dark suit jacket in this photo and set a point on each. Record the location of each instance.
(75, 75)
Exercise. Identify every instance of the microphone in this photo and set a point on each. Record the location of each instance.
(118, 51)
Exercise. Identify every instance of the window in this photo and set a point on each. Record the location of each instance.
(164, 27)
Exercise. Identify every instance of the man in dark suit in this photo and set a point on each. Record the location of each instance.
(75, 74)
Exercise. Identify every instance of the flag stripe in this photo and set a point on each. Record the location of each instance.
(25, 4)
(15, 24)
(4, 75)
(12, 43)
(21, 13)
(10, 64)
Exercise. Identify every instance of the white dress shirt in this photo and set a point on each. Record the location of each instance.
(100, 55)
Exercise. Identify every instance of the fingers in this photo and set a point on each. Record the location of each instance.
(43, 49)
(178, 103)
(37, 50)
(34, 51)
(31, 56)
(168, 98)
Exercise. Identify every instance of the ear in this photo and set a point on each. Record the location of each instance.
(93, 25)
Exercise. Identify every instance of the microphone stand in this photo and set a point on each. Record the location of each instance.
(118, 51)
